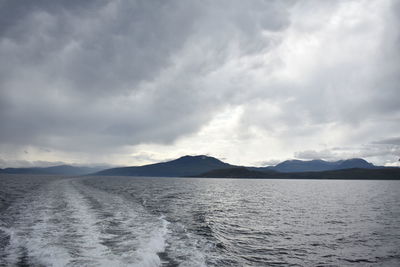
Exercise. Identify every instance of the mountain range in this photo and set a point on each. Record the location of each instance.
(194, 165)
(205, 166)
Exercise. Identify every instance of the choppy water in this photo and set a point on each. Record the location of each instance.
(122, 221)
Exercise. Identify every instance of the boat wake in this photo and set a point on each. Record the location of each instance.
(66, 223)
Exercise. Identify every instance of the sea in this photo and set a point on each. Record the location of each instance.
(128, 221)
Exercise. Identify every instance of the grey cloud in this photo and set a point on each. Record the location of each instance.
(378, 151)
(346, 90)
(100, 75)
(110, 47)
(313, 154)
(21, 10)
(389, 141)
(271, 162)
(25, 163)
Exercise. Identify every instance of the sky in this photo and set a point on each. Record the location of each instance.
(130, 82)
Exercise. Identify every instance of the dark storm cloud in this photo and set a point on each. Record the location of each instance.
(97, 75)
(93, 49)
(11, 11)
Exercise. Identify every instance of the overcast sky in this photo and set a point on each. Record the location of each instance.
(130, 82)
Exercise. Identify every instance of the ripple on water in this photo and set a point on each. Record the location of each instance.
(117, 221)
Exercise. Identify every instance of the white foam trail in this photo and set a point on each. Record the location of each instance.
(30, 234)
(155, 244)
(61, 226)
(91, 246)
(143, 234)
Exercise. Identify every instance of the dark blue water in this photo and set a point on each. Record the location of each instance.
(122, 221)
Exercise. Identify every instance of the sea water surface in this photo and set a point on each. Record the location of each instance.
(126, 221)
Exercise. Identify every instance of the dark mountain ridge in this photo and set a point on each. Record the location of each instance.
(183, 166)
(320, 165)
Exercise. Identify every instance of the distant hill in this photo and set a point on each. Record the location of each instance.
(184, 166)
(56, 170)
(319, 165)
(239, 172)
(361, 174)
